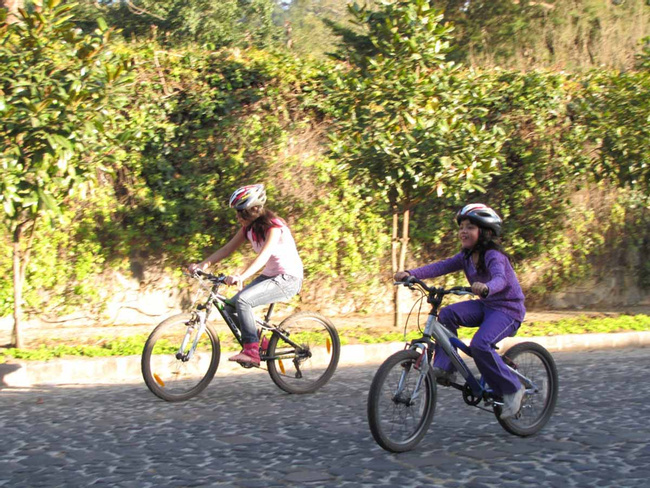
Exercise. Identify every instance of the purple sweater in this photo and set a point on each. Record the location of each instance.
(505, 293)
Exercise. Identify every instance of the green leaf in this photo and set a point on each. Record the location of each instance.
(102, 24)
(8, 207)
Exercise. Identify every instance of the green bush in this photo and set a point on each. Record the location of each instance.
(199, 122)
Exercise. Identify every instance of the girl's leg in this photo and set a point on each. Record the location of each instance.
(468, 314)
(495, 327)
(262, 291)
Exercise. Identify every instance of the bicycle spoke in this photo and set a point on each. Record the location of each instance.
(303, 355)
(539, 373)
(171, 368)
(401, 403)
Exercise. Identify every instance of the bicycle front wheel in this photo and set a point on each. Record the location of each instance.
(306, 357)
(168, 370)
(401, 402)
(537, 365)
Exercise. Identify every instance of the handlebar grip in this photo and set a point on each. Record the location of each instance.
(469, 289)
(409, 280)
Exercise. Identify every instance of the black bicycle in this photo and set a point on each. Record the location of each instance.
(403, 394)
(182, 354)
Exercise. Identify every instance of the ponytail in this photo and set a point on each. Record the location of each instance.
(262, 219)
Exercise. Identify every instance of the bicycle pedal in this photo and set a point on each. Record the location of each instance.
(248, 365)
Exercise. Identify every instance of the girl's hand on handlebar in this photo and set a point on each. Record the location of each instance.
(401, 275)
(480, 289)
(194, 267)
(234, 280)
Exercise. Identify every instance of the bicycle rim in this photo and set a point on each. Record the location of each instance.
(398, 419)
(167, 371)
(310, 363)
(535, 363)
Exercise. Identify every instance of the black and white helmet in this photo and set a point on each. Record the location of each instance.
(481, 215)
(247, 197)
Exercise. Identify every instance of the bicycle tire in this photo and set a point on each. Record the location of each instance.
(387, 416)
(169, 377)
(537, 407)
(312, 365)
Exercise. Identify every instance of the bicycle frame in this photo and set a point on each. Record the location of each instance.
(221, 303)
(450, 344)
(403, 394)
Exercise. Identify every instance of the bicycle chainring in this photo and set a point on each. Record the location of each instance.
(469, 396)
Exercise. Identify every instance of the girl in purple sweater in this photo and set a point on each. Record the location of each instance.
(497, 314)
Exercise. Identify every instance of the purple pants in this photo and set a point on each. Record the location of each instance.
(493, 326)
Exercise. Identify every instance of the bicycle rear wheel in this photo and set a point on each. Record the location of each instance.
(166, 369)
(398, 415)
(535, 363)
(307, 362)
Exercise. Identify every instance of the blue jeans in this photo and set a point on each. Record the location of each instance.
(493, 326)
(262, 291)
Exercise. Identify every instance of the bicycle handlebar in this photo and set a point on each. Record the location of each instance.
(432, 290)
(209, 276)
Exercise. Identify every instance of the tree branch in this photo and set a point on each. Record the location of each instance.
(140, 11)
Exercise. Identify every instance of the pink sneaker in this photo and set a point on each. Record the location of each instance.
(264, 344)
(249, 356)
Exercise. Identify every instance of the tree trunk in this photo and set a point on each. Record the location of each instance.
(399, 263)
(16, 337)
(12, 6)
(405, 238)
(397, 318)
(20, 260)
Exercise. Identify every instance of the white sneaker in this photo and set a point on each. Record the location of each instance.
(512, 403)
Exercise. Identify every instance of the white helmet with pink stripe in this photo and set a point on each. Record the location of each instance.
(481, 215)
(248, 196)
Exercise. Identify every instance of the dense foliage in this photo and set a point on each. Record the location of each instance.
(391, 110)
(406, 120)
(556, 34)
(175, 22)
(57, 87)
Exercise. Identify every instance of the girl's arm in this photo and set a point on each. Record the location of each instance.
(439, 268)
(225, 251)
(495, 262)
(272, 239)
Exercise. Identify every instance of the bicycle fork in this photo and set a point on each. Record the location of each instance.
(421, 364)
(202, 316)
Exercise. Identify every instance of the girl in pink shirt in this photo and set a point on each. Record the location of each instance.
(276, 251)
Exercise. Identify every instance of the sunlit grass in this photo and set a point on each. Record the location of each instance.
(133, 345)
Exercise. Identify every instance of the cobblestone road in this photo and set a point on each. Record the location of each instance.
(244, 432)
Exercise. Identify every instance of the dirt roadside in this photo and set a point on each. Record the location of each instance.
(79, 334)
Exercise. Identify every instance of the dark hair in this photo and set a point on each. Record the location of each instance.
(487, 241)
(261, 220)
